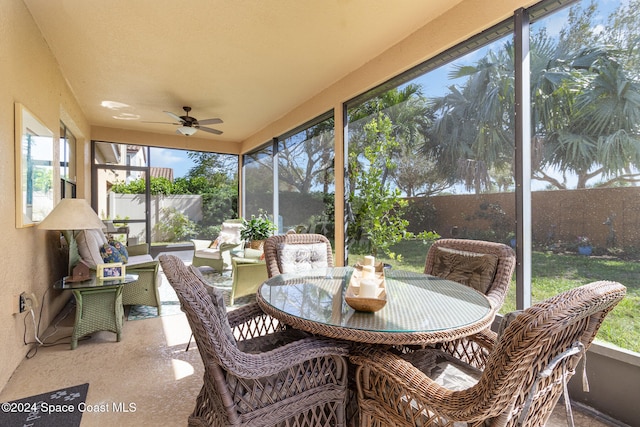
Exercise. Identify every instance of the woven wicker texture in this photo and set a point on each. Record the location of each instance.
(145, 290)
(464, 348)
(506, 263)
(303, 383)
(97, 310)
(271, 247)
(391, 391)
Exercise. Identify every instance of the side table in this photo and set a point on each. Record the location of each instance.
(98, 305)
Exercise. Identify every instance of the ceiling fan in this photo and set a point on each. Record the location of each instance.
(190, 125)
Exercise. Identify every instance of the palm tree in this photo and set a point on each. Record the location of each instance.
(585, 106)
(473, 131)
(601, 137)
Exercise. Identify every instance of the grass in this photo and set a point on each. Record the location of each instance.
(555, 273)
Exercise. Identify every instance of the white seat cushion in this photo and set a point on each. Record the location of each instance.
(230, 232)
(209, 253)
(300, 257)
(139, 259)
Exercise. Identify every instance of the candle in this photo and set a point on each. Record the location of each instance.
(369, 260)
(368, 272)
(369, 288)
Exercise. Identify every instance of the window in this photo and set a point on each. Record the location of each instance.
(301, 161)
(449, 134)
(585, 76)
(67, 162)
(306, 185)
(113, 174)
(258, 182)
(163, 195)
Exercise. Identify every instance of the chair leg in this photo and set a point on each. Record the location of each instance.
(189, 343)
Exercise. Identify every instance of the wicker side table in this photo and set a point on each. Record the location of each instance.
(98, 305)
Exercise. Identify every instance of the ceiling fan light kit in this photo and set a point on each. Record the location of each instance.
(186, 130)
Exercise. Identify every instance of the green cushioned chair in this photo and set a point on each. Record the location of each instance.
(217, 253)
(248, 273)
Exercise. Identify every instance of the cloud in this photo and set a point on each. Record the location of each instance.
(174, 159)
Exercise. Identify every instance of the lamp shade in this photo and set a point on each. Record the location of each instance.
(72, 214)
(186, 130)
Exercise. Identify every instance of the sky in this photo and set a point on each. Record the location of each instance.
(171, 158)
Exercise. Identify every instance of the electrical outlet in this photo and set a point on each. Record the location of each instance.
(24, 302)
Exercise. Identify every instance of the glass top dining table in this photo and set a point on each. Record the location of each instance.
(420, 309)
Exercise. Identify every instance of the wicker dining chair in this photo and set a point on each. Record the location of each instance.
(527, 370)
(296, 252)
(485, 266)
(257, 371)
(492, 270)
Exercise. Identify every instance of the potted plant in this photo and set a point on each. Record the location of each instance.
(584, 245)
(256, 230)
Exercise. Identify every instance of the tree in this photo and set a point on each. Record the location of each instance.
(601, 137)
(411, 118)
(211, 178)
(585, 106)
(376, 205)
(208, 164)
(415, 173)
(215, 177)
(473, 131)
(588, 104)
(305, 160)
(378, 208)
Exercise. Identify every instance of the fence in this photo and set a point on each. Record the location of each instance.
(607, 216)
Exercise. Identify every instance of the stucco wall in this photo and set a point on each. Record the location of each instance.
(31, 259)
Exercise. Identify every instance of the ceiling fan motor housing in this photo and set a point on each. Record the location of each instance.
(190, 125)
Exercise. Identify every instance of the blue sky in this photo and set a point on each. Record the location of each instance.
(171, 158)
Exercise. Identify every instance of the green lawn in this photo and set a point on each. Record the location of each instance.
(554, 273)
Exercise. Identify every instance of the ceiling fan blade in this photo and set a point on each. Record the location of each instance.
(174, 116)
(210, 130)
(162, 123)
(210, 121)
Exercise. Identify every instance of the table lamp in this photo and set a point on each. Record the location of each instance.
(69, 216)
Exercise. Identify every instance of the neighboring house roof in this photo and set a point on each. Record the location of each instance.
(162, 173)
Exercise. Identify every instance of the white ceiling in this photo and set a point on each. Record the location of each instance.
(248, 62)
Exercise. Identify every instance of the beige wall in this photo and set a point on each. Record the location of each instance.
(29, 74)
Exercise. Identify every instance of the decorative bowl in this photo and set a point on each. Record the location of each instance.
(369, 305)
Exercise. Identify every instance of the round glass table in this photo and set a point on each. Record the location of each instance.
(420, 309)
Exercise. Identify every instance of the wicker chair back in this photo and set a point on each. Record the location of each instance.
(526, 372)
(499, 287)
(273, 244)
(258, 372)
